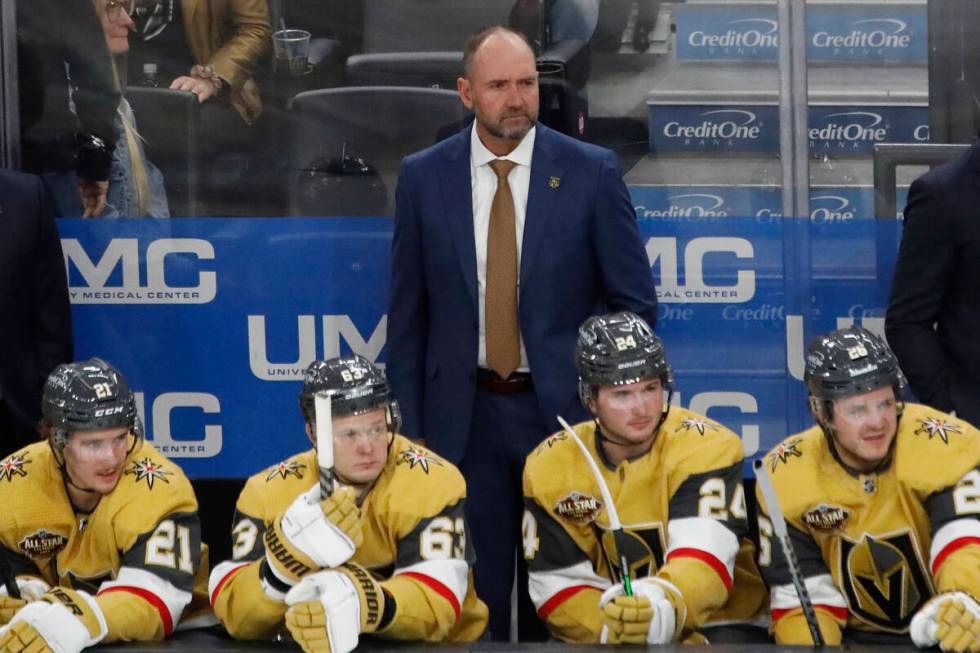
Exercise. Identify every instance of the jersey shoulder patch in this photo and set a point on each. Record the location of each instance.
(695, 443)
(420, 480)
(934, 449)
(151, 487)
(268, 493)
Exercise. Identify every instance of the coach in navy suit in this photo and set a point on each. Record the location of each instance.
(35, 316)
(578, 253)
(933, 318)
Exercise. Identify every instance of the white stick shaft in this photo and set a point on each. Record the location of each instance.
(324, 441)
(614, 523)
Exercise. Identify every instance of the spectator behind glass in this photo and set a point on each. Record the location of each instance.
(63, 62)
(207, 47)
(135, 184)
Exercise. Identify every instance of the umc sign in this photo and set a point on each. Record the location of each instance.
(184, 255)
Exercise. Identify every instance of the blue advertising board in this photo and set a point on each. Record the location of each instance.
(686, 127)
(214, 320)
(835, 32)
(827, 203)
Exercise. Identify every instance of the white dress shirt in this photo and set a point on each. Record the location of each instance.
(484, 187)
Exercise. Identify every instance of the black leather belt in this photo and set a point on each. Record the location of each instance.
(516, 383)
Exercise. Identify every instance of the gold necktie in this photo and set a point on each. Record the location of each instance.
(500, 300)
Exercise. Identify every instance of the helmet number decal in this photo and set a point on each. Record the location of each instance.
(351, 375)
(625, 342)
(102, 390)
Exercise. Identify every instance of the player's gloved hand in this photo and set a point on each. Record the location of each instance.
(329, 609)
(314, 534)
(31, 589)
(62, 621)
(627, 619)
(951, 620)
(622, 619)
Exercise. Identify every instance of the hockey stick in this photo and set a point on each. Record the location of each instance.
(8, 578)
(324, 443)
(614, 524)
(782, 534)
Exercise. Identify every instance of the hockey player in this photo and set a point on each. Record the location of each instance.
(390, 541)
(881, 499)
(101, 530)
(676, 480)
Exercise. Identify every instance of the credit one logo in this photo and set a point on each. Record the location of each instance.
(877, 33)
(830, 208)
(743, 33)
(703, 402)
(124, 254)
(724, 124)
(663, 252)
(335, 328)
(688, 205)
(187, 445)
(852, 126)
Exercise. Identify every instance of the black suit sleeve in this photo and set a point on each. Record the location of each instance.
(52, 310)
(923, 277)
(96, 92)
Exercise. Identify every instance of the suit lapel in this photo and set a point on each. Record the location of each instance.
(457, 195)
(546, 175)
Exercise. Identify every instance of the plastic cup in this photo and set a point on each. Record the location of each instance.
(292, 50)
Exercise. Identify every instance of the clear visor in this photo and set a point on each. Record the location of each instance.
(95, 449)
(864, 410)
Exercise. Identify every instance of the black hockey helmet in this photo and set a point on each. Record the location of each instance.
(354, 385)
(618, 349)
(89, 395)
(850, 362)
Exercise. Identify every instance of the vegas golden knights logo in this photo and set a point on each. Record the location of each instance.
(883, 579)
(644, 547)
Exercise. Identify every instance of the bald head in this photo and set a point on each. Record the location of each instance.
(500, 35)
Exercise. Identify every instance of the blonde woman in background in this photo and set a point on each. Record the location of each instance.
(135, 184)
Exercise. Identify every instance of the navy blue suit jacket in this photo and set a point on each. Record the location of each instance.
(35, 315)
(937, 282)
(581, 255)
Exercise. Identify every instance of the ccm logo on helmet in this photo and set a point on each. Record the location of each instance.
(105, 412)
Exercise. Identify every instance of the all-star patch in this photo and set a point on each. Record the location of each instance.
(13, 466)
(783, 452)
(578, 508)
(826, 517)
(701, 425)
(932, 426)
(284, 469)
(42, 544)
(419, 457)
(149, 470)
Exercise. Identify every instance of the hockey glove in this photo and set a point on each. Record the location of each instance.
(63, 621)
(313, 534)
(31, 589)
(951, 620)
(328, 610)
(649, 616)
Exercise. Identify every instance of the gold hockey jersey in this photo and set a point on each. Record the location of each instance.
(874, 547)
(414, 543)
(682, 506)
(139, 551)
